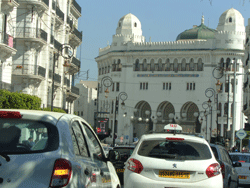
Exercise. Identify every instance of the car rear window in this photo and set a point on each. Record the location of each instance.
(20, 136)
(241, 158)
(174, 150)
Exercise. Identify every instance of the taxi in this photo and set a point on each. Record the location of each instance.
(172, 159)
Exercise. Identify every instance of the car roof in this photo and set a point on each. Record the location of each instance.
(164, 135)
(239, 153)
(44, 115)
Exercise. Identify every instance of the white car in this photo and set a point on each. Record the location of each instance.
(167, 160)
(244, 170)
(66, 152)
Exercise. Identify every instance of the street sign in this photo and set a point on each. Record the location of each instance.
(241, 134)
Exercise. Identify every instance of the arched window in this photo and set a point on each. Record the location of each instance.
(183, 65)
(119, 65)
(160, 66)
(100, 71)
(228, 63)
(168, 65)
(135, 24)
(176, 65)
(152, 65)
(144, 65)
(106, 71)
(137, 65)
(230, 20)
(200, 65)
(114, 66)
(191, 64)
(222, 62)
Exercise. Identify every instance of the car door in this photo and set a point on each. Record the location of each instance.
(229, 169)
(85, 166)
(103, 175)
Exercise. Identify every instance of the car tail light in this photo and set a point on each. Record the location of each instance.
(222, 166)
(241, 161)
(10, 114)
(93, 178)
(213, 170)
(61, 173)
(174, 139)
(135, 166)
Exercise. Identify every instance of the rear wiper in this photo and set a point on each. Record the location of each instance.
(6, 157)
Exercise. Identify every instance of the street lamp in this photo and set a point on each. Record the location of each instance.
(121, 96)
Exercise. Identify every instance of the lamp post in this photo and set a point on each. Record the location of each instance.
(56, 56)
(123, 96)
(205, 107)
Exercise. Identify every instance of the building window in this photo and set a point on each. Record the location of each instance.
(117, 86)
(190, 86)
(113, 86)
(81, 113)
(167, 86)
(144, 86)
(100, 71)
(135, 24)
(230, 19)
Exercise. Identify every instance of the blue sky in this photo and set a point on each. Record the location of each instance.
(162, 20)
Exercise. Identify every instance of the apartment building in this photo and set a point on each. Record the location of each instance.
(41, 30)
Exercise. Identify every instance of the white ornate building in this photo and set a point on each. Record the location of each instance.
(40, 29)
(173, 80)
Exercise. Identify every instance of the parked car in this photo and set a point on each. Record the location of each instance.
(172, 159)
(125, 152)
(228, 168)
(244, 170)
(67, 152)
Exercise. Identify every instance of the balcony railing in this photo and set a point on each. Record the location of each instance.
(33, 1)
(75, 90)
(77, 33)
(59, 13)
(28, 69)
(76, 62)
(30, 32)
(77, 6)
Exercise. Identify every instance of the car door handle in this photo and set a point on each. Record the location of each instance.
(86, 171)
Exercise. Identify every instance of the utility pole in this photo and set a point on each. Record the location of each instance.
(53, 82)
(234, 105)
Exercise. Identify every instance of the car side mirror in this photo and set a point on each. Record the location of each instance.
(237, 164)
(114, 155)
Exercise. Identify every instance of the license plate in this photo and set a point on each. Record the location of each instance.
(174, 174)
(120, 170)
(243, 177)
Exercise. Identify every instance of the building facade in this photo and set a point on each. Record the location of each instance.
(45, 36)
(163, 82)
(7, 50)
(85, 105)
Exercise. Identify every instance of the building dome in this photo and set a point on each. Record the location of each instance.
(231, 20)
(129, 25)
(197, 32)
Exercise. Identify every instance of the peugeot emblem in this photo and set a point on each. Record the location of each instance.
(174, 165)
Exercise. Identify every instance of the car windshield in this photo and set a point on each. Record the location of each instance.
(23, 136)
(177, 150)
(240, 158)
(125, 152)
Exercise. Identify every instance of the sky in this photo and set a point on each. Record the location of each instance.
(162, 20)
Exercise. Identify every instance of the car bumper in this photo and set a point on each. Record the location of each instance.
(134, 180)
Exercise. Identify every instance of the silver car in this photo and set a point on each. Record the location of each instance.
(65, 152)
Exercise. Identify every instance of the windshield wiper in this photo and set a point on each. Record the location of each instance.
(6, 157)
